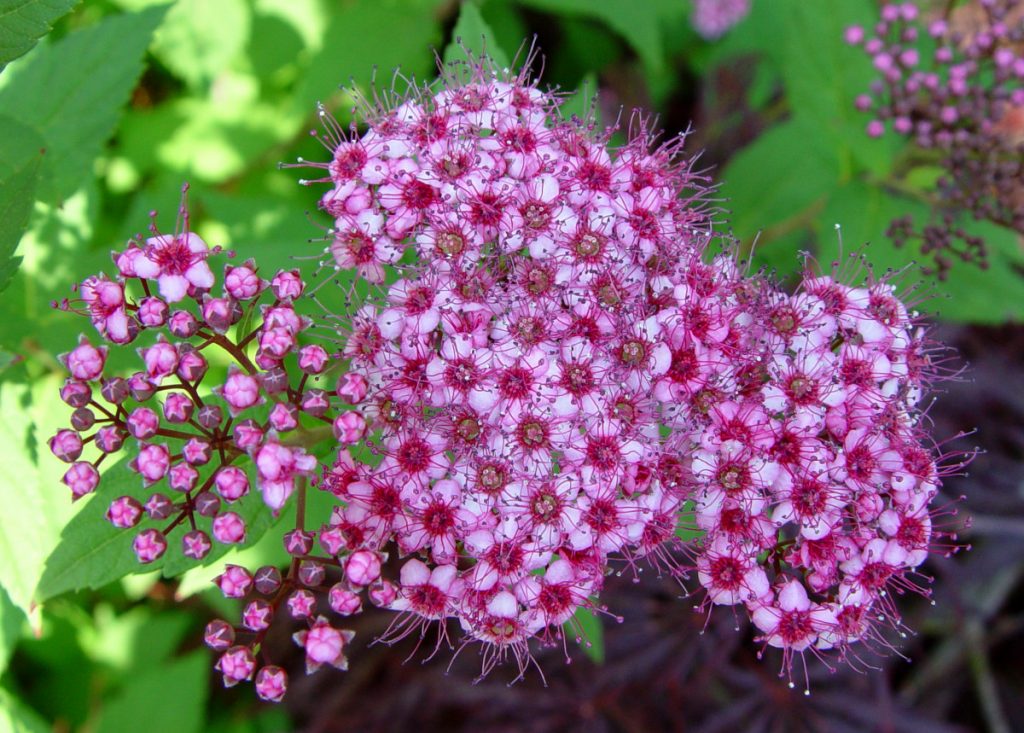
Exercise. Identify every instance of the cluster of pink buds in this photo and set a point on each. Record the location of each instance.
(712, 19)
(544, 373)
(200, 437)
(953, 84)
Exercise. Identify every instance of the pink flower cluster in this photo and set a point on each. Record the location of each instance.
(953, 84)
(546, 371)
(713, 18)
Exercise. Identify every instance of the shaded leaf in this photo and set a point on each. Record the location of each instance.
(12, 619)
(87, 77)
(183, 681)
(368, 40)
(773, 185)
(21, 153)
(473, 34)
(24, 22)
(586, 627)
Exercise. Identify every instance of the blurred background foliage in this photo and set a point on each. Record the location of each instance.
(104, 117)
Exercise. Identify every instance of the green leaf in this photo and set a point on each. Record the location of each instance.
(586, 628)
(12, 619)
(135, 641)
(969, 295)
(24, 22)
(472, 34)
(199, 39)
(640, 24)
(17, 717)
(72, 92)
(35, 503)
(20, 157)
(368, 40)
(822, 74)
(181, 683)
(92, 552)
(774, 185)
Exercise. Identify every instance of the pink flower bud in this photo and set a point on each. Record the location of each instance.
(195, 544)
(85, 361)
(248, 435)
(312, 359)
(178, 407)
(210, 416)
(109, 439)
(344, 601)
(66, 445)
(182, 477)
(352, 388)
(240, 391)
(311, 573)
(287, 285)
(333, 540)
(383, 594)
(229, 529)
(207, 504)
(271, 683)
(362, 567)
(82, 478)
(301, 603)
(219, 313)
(191, 366)
(124, 512)
(236, 665)
(315, 402)
(182, 324)
(219, 635)
(231, 483)
(140, 387)
(234, 582)
(75, 393)
(196, 451)
(284, 417)
(149, 545)
(114, 390)
(298, 542)
(152, 312)
(257, 615)
(152, 463)
(276, 342)
(242, 282)
(158, 507)
(161, 360)
(142, 423)
(854, 35)
(349, 427)
(82, 419)
(876, 128)
(267, 580)
(324, 645)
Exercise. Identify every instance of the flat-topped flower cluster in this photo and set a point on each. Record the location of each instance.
(552, 365)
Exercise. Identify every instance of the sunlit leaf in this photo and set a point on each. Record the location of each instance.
(17, 717)
(35, 503)
(24, 22)
(72, 92)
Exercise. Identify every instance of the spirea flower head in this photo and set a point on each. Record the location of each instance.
(953, 84)
(549, 363)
